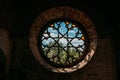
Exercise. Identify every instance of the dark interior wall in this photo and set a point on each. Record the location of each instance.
(24, 12)
(17, 17)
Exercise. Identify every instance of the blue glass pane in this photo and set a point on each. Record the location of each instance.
(53, 32)
(65, 35)
(58, 22)
(76, 42)
(48, 42)
(50, 29)
(75, 29)
(62, 24)
(81, 42)
(71, 33)
(69, 25)
(63, 28)
(56, 25)
(45, 42)
(80, 35)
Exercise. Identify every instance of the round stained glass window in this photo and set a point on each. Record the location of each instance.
(63, 43)
(63, 39)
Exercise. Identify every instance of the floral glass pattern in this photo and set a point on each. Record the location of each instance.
(63, 43)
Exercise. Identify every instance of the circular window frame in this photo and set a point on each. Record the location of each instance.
(83, 32)
(62, 12)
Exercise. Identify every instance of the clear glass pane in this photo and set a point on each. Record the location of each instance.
(63, 42)
(63, 56)
(76, 42)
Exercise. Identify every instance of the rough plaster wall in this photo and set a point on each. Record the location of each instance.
(103, 64)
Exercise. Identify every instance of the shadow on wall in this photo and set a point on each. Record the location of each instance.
(5, 49)
(2, 64)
